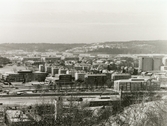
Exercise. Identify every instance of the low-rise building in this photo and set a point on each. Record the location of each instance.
(120, 76)
(71, 58)
(95, 80)
(64, 80)
(39, 76)
(62, 71)
(48, 69)
(54, 71)
(136, 84)
(51, 59)
(80, 76)
(17, 117)
(41, 68)
(31, 58)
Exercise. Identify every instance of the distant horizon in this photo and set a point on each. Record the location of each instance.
(76, 42)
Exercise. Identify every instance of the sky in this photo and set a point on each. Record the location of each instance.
(82, 21)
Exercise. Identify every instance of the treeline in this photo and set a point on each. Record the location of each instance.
(4, 60)
(121, 51)
(134, 47)
(40, 47)
(125, 47)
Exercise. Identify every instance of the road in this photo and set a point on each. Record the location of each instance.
(25, 100)
(44, 99)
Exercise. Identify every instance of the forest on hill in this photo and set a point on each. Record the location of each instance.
(39, 47)
(123, 47)
(133, 47)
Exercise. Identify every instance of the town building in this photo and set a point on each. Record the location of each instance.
(80, 75)
(51, 59)
(48, 69)
(164, 61)
(62, 71)
(31, 58)
(147, 63)
(41, 68)
(18, 118)
(65, 80)
(24, 76)
(54, 71)
(95, 80)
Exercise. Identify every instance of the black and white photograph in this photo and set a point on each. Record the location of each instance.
(83, 62)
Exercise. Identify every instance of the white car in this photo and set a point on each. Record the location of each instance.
(19, 92)
(29, 92)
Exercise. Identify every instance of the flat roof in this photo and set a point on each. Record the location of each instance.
(38, 72)
(98, 99)
(25, 71)
(121, 74)
(96, 74)
(52, 78)
(7, 73)
(129, 80)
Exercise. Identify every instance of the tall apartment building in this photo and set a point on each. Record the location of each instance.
(150, 63)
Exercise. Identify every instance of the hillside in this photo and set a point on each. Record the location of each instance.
(126, 47)
(130, 47)
(39, 47)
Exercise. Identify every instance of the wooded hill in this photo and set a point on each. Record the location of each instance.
(133, 47)
(124, 47)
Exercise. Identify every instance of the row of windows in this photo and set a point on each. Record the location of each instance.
(135, 86)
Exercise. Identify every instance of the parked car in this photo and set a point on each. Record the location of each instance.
(19, 92)
(29, 92)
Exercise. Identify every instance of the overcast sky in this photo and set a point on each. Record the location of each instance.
(82, 21)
